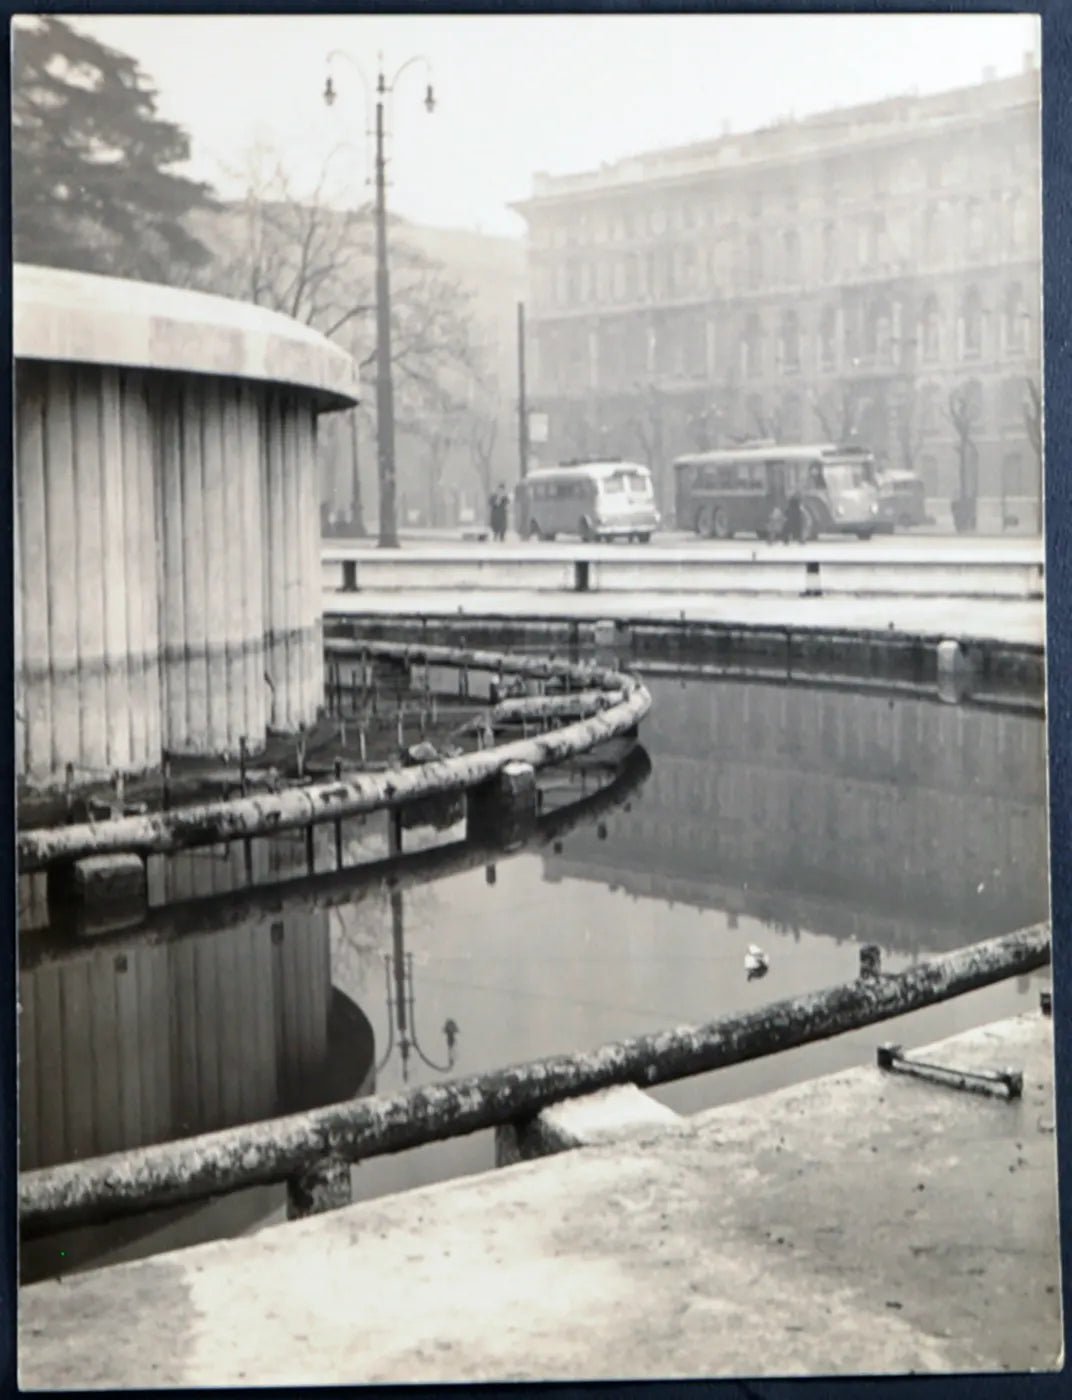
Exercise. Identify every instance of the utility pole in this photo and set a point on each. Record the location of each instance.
(357, 515)
(522, 403)
(385, 404)
(385, 398)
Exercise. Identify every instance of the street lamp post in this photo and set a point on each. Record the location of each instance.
(385, 407)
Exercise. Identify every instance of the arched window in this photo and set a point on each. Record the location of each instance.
(971, 320)
(828, 338)
(790, 342)
(877, 330)
(930, 329)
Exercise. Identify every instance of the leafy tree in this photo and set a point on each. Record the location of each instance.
(90, 180)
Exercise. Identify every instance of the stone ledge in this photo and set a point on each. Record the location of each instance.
(623, 1111)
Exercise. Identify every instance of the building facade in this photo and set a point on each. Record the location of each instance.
(869, 274)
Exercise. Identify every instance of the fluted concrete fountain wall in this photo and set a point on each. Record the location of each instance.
(167, 576)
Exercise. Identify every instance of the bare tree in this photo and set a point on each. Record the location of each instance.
(1032, 409)
(839, 411)
(298, 254)
(291, 251)
(963, 412)
(482, 436)
(768, 422)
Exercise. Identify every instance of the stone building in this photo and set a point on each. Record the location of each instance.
(837, 277)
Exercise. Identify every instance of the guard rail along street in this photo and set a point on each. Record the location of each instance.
(298, 1147)
(1008, 570)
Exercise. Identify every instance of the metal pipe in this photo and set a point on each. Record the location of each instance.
(263, 814)
(126, 1183)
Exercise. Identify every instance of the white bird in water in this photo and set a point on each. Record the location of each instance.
(756, 962)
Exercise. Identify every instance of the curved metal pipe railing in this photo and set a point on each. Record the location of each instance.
(207, 824)
(281, 1149)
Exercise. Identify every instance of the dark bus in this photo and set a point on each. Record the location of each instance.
(744, 490)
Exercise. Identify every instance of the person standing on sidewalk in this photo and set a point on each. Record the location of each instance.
(499, 509)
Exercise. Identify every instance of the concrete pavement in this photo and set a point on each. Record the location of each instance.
(860, 1223)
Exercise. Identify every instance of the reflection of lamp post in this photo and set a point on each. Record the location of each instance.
(398, 970)
(385, 412)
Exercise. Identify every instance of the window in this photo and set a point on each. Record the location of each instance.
(974, 228)
(829, 251)
(930, 329)
(975, 403)
(1012, 399)
(790, 342)
(972, 325)
(934, 233)
(877, 341)
(1014, 321)
(791, 255)
(929, 422)
(755, 260)
(828, 338)
(752, 347)
(1016, 222)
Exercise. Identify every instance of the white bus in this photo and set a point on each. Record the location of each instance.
(596, 499)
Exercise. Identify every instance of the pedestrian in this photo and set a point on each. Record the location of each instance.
(499, 505)
(794, 519)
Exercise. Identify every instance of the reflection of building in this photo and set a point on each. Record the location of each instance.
(144, 1038)
(853, 814)
(830, 277)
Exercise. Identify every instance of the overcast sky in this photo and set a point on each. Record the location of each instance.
(518, 94)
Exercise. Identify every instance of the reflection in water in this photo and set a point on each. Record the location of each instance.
(901, 822)
(780, 817)
(401, 1003)
(142, 1041)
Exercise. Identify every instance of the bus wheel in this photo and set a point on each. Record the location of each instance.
(864, 534)
(704, 518)
(720, 525)
(533, 531)
(644, 537)
(584, 529)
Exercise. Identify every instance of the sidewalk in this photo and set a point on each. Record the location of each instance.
(859, 1223)
(1018, 622)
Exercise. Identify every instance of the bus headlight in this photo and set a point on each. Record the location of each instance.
(839, 510)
